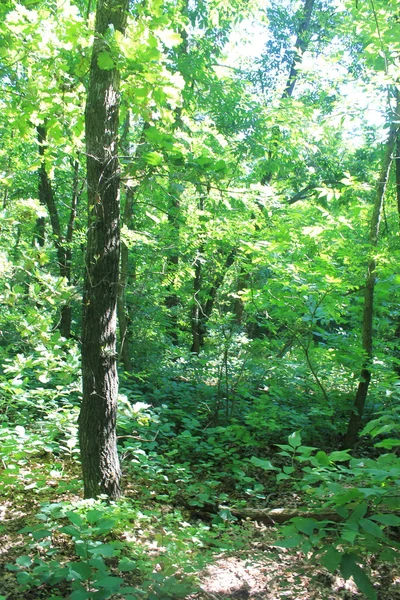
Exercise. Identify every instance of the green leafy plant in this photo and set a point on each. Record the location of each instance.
(352, 500)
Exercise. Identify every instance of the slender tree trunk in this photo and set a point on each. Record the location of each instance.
(367, 329)
(97, 420)
(197, 310)
(172, 299)
(122, 309)
(63, 246)
(202, 310)
(396, 352)
(66, 311)
(300, 46)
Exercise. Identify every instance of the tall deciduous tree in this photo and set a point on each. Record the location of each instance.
(370, 282)
(97, 421)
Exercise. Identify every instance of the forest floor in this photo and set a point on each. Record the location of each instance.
(258, 570)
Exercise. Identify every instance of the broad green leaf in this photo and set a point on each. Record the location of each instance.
(263, 464)
(294, 439)
(282, 477)
(339, 456)
(288, 470)
(292, 542)
(390, 520)
(305, 525)
(41, 534)
(111, 583)
(24, 578)
(24, 561)
(371, 528)
(103, 550)
(347, 564)
(153, 158)
(322, 458)
(349, 568)
(127, 565)
(80, 570)
(285, 447)
(70, 530)
(94, 515)
(388, 444)
(75, 518)
(105, 61)
(80, 595)
(358, 512)
(331, 559)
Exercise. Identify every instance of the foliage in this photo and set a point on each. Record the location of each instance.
(359, 492)
(246, 223)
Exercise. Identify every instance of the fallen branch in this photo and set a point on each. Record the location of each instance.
(272, 516)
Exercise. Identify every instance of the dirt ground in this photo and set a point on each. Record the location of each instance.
(259, 571)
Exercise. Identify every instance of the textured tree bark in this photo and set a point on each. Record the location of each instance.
(368, 314)
(97, 420)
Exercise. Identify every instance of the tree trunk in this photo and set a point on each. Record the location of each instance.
(63, 246)
(300, 46)
(122, 309)
(97, 420)
(172, 301)
(367, 328)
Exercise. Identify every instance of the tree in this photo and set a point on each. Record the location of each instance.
(97, 421)
(370, 282)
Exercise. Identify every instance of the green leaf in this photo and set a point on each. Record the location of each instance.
(331, 559)
(322, 458)
(105, 61)
(292, 542)
(24, 578)
(80, 595)
(41, 533)
(94, 515)
(371, 528)
(305, 525)
(392, 520)
(153, 158)
(388, 444)
(75, 518)
(263, 464)
(284, 447)
(126, 565)
(103, 550)
(24, 561)
(349, 568)
(70, 530)
(339, 456)
(106, 525)
(80, 570)
(294, 439)
(111, 583)
(358, 512)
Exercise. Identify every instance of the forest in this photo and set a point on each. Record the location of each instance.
(199, 318)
